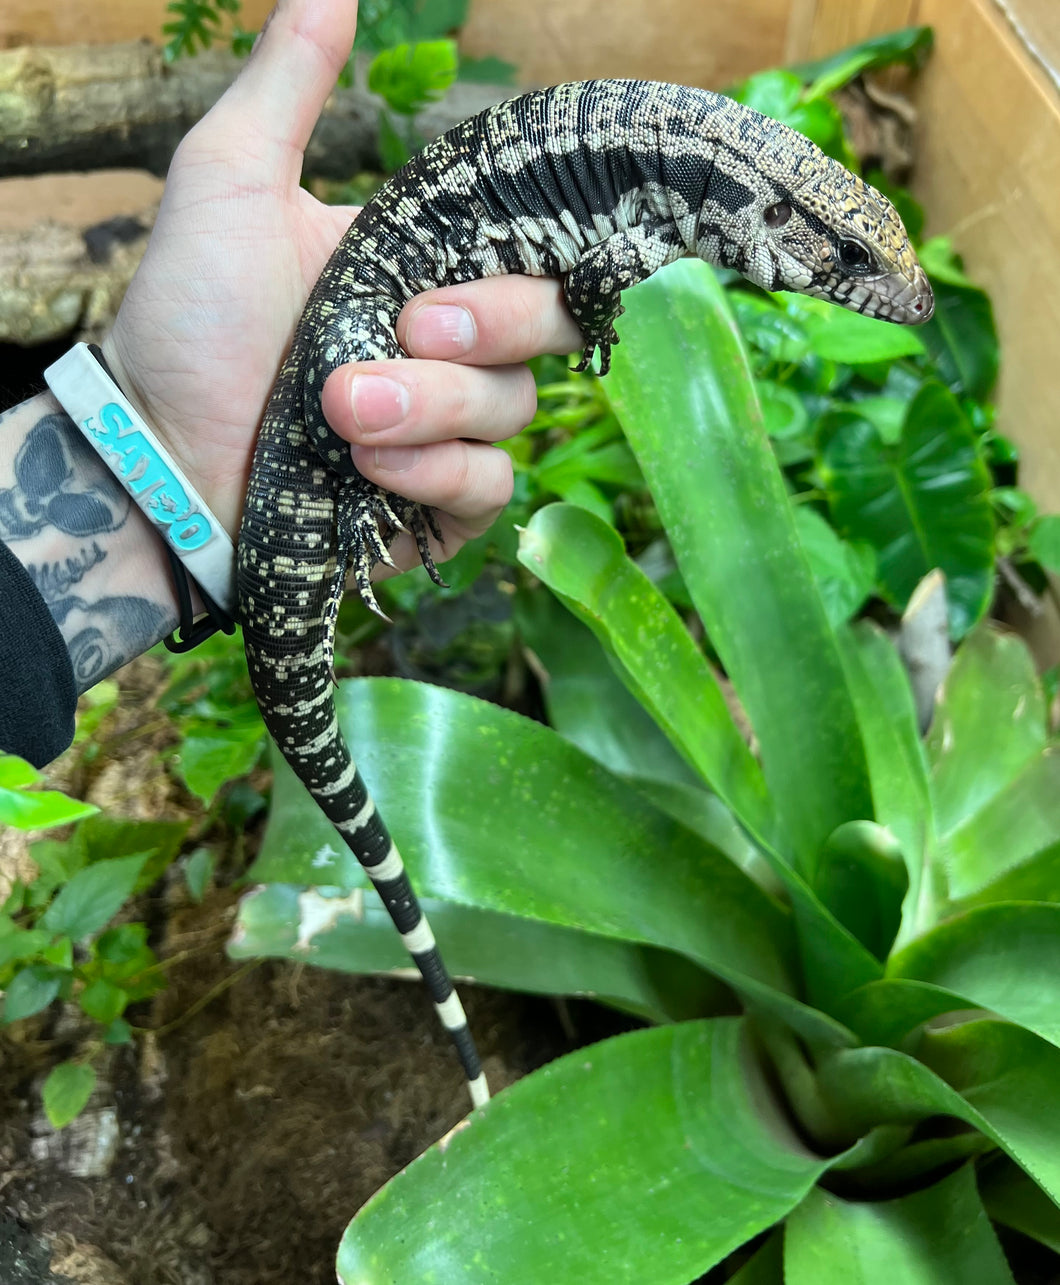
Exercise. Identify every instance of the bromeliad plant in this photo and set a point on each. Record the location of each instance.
(847, 944)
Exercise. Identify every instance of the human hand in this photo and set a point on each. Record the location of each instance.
(237, 247)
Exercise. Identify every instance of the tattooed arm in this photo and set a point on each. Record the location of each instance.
(91, 554)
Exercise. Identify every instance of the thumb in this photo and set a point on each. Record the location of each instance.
(278, 96)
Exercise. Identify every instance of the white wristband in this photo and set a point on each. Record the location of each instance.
(128, 447)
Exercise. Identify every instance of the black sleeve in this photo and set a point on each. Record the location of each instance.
(37, 692)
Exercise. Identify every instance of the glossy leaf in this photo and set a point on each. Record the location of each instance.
(997, 1077)
(837, 334)
(685, 396)
(845, 573)
(921, 504)
(582, 560)
(1003, 958)
(352, 932)
(587, 702)
(1015, 1200)
(989, 726)
(24, 808)
(862, 880)
(888, 1010)
(939, 1234)
(571, 846)
(962, 339)
(909, 45)
(648, 1157)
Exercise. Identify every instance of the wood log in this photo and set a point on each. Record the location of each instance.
(86, 107)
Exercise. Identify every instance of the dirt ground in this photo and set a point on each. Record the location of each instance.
(232, 1144)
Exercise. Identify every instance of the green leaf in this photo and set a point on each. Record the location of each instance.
(939, 1234)
(908, 45)
(582, 560)
(409, 76)
(685, 396)
(586, 701)
(922, 504)
(487, 71)
(962, 339)
(93, 896)
(17, 944)
(66, 1091)
(198, 871)
(663, 1152)
(209, 760)
(583, 834)
(1013, 1199)
(27, 809)
(845, 573)
(997, 1077)
(118, 1032)
(1003, 958)
(838, 334)
(861, 878)
(353, 933)
(888, 1011)
(1043, 542)
(30, 990)
(102, 1000)
(102, 838)
(989, 726)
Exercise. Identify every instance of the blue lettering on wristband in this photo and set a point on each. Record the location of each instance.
(150, 477)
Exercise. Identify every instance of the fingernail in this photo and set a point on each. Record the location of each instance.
(441, 330)
(396, 459)
(378, 402)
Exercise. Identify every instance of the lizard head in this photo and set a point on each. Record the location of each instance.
(836, 237)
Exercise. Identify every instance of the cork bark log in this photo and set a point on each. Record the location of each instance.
(85, 107)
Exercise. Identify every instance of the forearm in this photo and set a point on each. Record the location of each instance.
(96, 561)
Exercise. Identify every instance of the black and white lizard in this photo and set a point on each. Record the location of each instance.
(598, 183)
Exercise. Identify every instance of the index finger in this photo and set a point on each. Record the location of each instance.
(493, 322)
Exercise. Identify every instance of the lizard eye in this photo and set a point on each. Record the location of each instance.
(775, 216)
(852, 254)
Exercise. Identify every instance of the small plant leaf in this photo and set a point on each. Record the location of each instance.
(29, 991)
(66, 1091)
(93, 896)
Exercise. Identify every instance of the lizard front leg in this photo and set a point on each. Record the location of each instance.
(593, 287)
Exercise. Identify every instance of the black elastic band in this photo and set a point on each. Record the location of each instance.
(190, 632)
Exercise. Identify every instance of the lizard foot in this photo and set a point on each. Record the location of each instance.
(602, 343)
(368, 518)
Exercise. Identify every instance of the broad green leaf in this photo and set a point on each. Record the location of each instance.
(570, 846)
(66, 1091)
(1043, 541)
(30, 990)
(997, 1077)
(587, 702)
(909, 45)
(1037, 879)
(862, 880)
(1017, 827)
(1011, 1198)
(888, 1011)
(887, 718)
(648, 1157)
(989, 726)
(941, 1234)
(198, 871)
(353, 933)
(582, 560)
(685, 396)
(103, 838)
(1003, 958)
(766, 1266)
(16, 773)
(838, 334)
(93, 897)
(845, 573)
(962, 339)
(923, 503)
